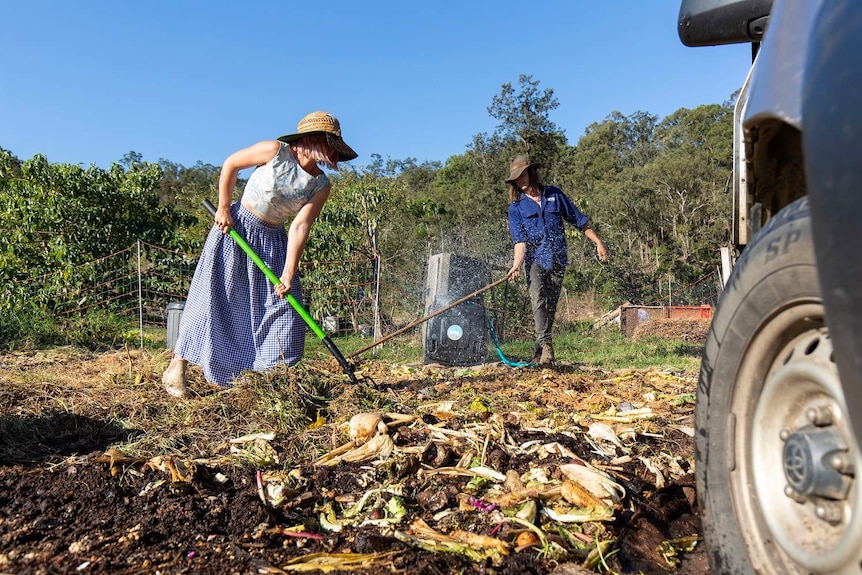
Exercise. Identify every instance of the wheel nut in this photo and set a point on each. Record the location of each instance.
(841, 463)
(784, 434)
(794, 495)
(819, 416)
(829, 512)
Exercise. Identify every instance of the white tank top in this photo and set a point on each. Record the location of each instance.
(278, 189)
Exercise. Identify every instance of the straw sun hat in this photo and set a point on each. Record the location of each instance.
(327, 124)
(520, 163)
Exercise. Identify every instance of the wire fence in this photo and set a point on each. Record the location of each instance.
(704, 291)
(366, 297)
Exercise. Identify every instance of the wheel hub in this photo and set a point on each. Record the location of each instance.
(814, 459)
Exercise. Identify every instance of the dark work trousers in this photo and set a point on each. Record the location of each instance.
(545, 287)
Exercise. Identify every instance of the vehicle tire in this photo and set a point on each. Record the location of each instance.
(774, 452)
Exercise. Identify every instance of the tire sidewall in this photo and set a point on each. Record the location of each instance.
(777, 269)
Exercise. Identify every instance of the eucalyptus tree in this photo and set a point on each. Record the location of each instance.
(524, 119)
(470, 187)
(688, 180)
(414, 213)
(601, 173)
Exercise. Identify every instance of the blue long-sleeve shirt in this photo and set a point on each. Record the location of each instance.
(542, 229)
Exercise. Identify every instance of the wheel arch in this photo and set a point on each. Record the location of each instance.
(775, 167)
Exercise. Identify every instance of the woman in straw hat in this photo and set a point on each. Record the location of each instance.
(233, 319)
(536, 216)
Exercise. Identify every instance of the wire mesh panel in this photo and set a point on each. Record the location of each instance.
(362, 296)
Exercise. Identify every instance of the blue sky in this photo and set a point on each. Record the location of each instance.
(86, 82)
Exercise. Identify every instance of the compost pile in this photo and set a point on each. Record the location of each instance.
(419, 469)
(684, 329)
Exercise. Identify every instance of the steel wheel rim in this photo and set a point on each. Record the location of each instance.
(788, 370)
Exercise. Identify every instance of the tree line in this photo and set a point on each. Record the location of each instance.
(654, 189)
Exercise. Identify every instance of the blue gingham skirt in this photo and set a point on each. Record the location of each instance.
(233, 320)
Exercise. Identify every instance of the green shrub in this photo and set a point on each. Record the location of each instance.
(28, 329)
(97, 329)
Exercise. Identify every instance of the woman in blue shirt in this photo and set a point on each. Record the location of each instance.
(536, 216)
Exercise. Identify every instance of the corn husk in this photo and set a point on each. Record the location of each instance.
(364, 426)
(378, 447)
(596, 482)
(579, 496)
(629, 416)
(529, 511)
(654, 468)
(579, 515)
(477, 547)
(329, 562)
(604, 432)
(478, 471)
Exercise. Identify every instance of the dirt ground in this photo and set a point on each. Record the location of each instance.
(487, 469)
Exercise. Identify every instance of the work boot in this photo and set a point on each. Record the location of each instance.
(174, 379)
(547, 354)
(537, 355)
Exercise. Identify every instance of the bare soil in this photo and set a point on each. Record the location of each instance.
(102, 472)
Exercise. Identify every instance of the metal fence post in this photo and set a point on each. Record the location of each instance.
(140, 297)
(377, 327)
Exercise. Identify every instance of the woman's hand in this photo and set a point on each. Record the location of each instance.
(297, 236)
(517, 261)
(602, 251)
(223, 219)
(282, 288)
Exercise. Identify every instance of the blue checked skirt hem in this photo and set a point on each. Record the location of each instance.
(232, 320)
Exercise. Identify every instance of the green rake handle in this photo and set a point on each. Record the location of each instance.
(289, 297)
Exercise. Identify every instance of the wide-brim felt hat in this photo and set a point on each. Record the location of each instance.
(327, 124)
(520, 163)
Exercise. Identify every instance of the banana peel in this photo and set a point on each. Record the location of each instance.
(117, 460)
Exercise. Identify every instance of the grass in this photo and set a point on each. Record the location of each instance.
(579, 343)
(605, 348)
(610, 349)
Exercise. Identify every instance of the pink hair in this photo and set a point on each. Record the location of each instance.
(318, 149)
